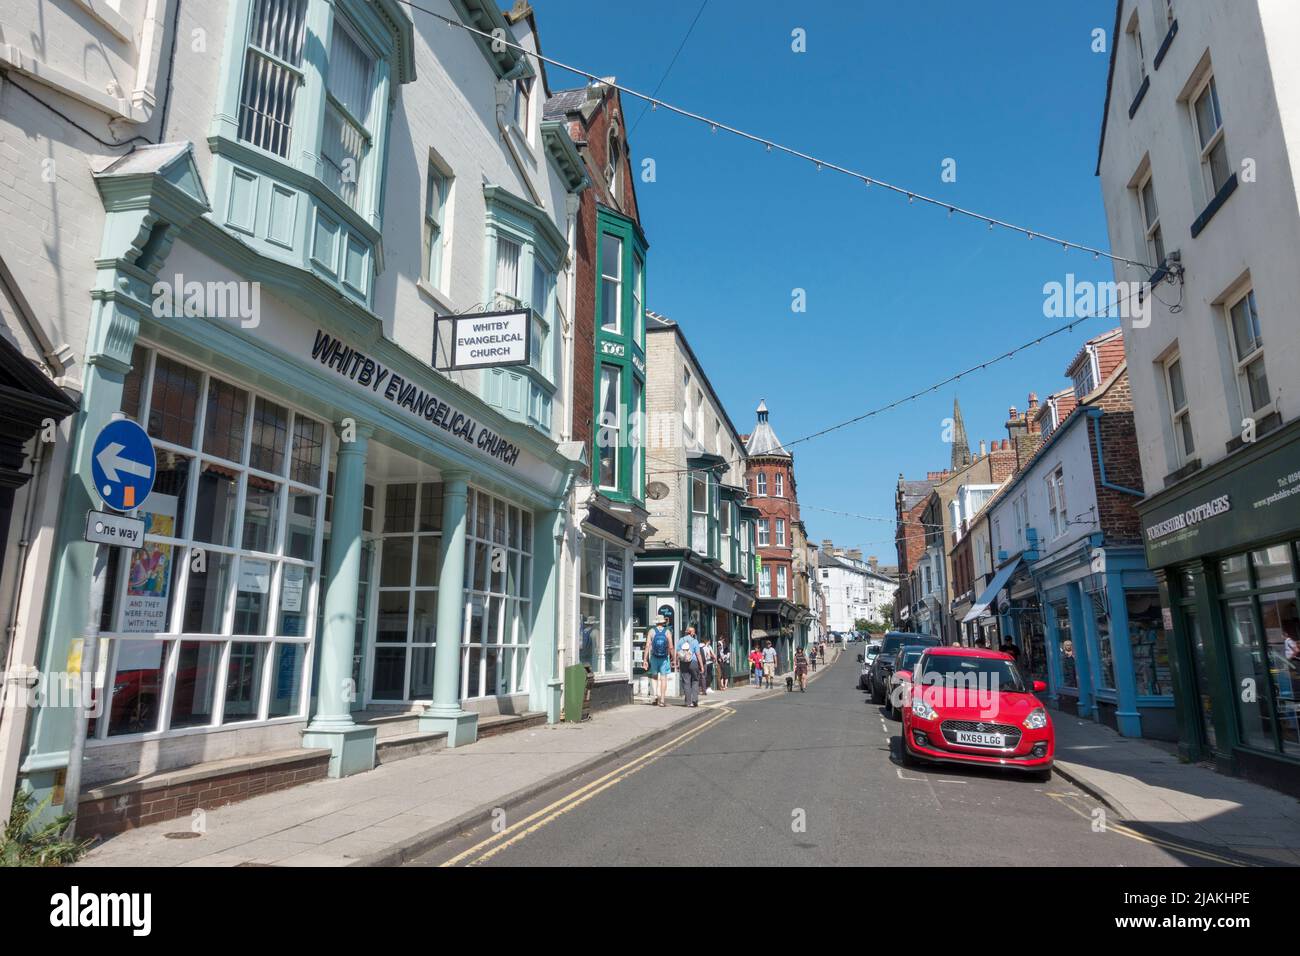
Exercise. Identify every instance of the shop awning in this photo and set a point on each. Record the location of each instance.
(991, 592)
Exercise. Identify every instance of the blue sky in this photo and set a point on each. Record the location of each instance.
(898, 296)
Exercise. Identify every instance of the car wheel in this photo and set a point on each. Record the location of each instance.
(1042, 776)
(876, 696)
(905, 756)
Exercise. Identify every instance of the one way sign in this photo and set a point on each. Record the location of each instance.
(123, 464)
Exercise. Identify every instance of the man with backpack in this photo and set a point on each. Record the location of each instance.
(658, 658)
(688, 667)
(707, 660)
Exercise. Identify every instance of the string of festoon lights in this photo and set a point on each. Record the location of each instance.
(921, 392)
(771, 145)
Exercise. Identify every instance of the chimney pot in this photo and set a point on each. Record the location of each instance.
(1033, 400)
(1012, 412)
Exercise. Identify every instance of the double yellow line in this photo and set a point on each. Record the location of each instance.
(498, 842)
(1170, 845)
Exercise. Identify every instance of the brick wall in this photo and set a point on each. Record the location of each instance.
(1117, 510)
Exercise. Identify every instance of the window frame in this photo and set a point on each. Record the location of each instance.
(1242, 364)
(1180, 416)
(437, 235)
(1152, 234)
(1208, 86)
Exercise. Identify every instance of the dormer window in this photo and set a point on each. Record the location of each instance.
(613, 164)
(272, 74)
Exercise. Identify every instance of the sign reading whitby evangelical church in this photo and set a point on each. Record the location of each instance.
(489, 340)
(365, 371)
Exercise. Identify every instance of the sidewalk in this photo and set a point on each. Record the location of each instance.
(1147, 785)
(399, 809)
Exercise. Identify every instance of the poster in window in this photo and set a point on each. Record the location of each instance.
(291, 589)
(148, 584)
(255, 576)
(614, 575)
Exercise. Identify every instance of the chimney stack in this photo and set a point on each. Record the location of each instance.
(873, 561)
(983, 449)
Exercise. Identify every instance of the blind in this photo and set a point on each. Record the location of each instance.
(271, 78)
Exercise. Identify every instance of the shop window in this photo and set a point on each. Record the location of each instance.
(1149, 644)
(600, 601)
(232, 546)
(1250, 672)
(1281, 621)
(1065, 646)
(1105, 650)
(498, 597)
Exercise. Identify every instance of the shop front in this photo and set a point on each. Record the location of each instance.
(689, 592)
(1225, 543)
(334, 528)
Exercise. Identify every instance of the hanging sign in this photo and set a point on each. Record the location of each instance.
(490, 339)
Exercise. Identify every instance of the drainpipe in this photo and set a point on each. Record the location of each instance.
(572, 203)
(1097, 414)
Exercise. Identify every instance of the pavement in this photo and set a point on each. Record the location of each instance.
(402, 808)
(1149, 787)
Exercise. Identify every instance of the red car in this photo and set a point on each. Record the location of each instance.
(974, 707)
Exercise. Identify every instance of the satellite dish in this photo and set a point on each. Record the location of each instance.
(656, 490)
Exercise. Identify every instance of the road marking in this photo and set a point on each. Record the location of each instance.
(540, 818)
(1064, 800)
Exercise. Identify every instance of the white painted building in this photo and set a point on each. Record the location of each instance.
(1198, 165)
(852, 589)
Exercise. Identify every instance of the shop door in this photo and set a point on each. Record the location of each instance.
(362, 636)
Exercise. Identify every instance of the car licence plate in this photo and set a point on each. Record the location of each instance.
(981, 740)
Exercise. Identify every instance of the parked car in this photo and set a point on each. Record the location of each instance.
(901, 677)
(866, 658)
(883, 665)
(974, 707)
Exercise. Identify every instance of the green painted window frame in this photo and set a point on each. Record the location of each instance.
(625, 349)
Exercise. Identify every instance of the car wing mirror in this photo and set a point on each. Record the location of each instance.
(1040, 686)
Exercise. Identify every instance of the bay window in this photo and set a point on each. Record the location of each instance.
(700, 512)
(609, 435)
(611, 283)
(763, 532)
(780, 532)
(506, 284)
(762, 484)
(345, 142)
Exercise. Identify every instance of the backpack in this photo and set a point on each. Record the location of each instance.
(706, 651)
(684, 654)
(659, 643)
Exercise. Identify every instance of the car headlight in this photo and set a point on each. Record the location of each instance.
(923, 710)
(1037, 719)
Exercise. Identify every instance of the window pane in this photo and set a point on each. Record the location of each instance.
(395, 566)
(1149, 644)
(224, 421)
(173, 407)
(1282, 632)
(133, 384)
(431, 506)
(1207, 113)
(1149, 204)
(425, 627)
(399, 508)
(1232, 573)
(349, 73)
(164, 510)
(422, 673)
(137, 687)
(261, 515)
(389, 682)
(508, 267)
(286, 678)
(1257, 383)
(295, 587)
(1176, 385)
(1248, 665)
(243, 682)
(590, 632)
(426, 564)
(391, 626)
(301, 536)
(1219, 171)
(308, 444)
(270, 431)
(1272, 566)
(215, 511)
(269, 88)
(205, 594)
(253, 596)
(196, 675)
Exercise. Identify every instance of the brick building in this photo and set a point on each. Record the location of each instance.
(607, 520)
(770, 484)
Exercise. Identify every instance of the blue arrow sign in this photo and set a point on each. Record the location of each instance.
(123, 465)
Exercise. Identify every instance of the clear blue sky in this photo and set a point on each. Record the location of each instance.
(897, 297)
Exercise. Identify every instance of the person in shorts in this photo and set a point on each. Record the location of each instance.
(658, 658)
(769, 664)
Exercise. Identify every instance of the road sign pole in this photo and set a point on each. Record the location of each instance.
(89, 665)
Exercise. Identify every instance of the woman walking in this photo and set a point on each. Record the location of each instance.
(801, 669)
(724, 664)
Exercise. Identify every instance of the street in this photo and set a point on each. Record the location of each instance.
(731, 789)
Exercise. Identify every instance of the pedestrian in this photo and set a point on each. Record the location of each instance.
(658, 663)
(724, 664)
(707, 659)
(756, 665)
(801, 669)
(688, 667)
(769, 664)
(812, 655)
(981, 643)
(821, 651)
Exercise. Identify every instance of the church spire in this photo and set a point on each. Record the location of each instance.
(960, 446)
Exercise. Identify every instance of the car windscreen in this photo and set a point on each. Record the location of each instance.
(990, 672)
(910, 658)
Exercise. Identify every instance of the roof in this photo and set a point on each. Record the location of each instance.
(1110, 82)
(763, 440)
(970, 652)
(564, 102)
(656, 322)
(1107, 358)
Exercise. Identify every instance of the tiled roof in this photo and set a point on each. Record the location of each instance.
(564, 102)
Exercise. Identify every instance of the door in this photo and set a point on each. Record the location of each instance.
(1205, 700)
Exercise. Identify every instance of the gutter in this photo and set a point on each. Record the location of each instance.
(1097, 414)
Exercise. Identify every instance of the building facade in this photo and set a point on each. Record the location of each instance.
(697, 566)
(342, 529)
(1184, 133)
(608, 521)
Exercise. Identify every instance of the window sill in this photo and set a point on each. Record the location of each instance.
(1141, 94)
(1270, 421)
(439, 300)
(1190, 468)
(1215, 204)
(1164, 44)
